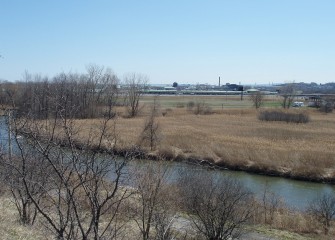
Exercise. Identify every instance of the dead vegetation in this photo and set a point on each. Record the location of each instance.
(77, 190)
(287, 117)
(229, 137)
(236, 139)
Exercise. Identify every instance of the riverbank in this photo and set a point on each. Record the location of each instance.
(11, 228)
(86, 129)
(235, 139)
(230, 137)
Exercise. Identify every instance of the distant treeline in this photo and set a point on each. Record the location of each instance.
(85, 95)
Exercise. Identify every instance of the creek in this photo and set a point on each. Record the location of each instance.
(296, 194)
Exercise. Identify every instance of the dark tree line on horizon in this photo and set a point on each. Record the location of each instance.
(84, 95)
(41, 97)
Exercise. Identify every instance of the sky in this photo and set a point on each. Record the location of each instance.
(184, 41)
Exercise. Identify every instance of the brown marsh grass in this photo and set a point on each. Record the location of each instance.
(237, 138)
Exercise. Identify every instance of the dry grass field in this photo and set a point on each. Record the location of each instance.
(218, 102)
(235, 138)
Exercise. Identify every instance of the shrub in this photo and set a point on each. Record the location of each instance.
(326, 107)
(322, 208)
(218, 208)
(202, 108)
(283, 116)
(257, 99)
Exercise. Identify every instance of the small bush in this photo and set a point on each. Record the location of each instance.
(202, 108)
(283, 116)
(326, 107)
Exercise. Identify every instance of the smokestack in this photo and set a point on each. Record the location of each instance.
(219, 82)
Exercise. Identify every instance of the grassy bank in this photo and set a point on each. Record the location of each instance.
(229, 137)
(234, 138)
(287, 226)
(11, 228)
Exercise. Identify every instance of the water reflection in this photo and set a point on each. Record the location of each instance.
(296, 194)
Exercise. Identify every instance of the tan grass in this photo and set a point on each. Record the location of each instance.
(238, 137)
(10, 227)
(235, 137)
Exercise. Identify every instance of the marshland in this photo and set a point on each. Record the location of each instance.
(231, 136)
(78, 144)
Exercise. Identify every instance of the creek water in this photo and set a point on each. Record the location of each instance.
(296, 194)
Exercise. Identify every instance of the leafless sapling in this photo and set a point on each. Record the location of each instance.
(134, 86)
(217, 206)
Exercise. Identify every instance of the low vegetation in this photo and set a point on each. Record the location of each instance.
(288, 117)
(199, 108)
(194, 207)
(75, 128)
(236, 139)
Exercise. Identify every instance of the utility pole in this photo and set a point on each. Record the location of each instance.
(241, 88)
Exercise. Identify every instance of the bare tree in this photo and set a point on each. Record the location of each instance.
(91, 94)
(257, 99)
(134, 86)
(83, 193)
(270, 203)
(101, 87)
(10, 92)
(323, 209)
(288, 93)
(217, 206)
(199, 107)
(163, 223)
(153, 211)
(12, 172)
(150, 133)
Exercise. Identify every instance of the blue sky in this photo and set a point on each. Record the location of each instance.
(188, 41)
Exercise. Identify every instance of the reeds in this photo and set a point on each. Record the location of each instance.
(237, 138)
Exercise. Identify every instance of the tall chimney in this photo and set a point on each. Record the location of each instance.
(219, 82)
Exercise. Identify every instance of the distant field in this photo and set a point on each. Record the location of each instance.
(215, 102)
